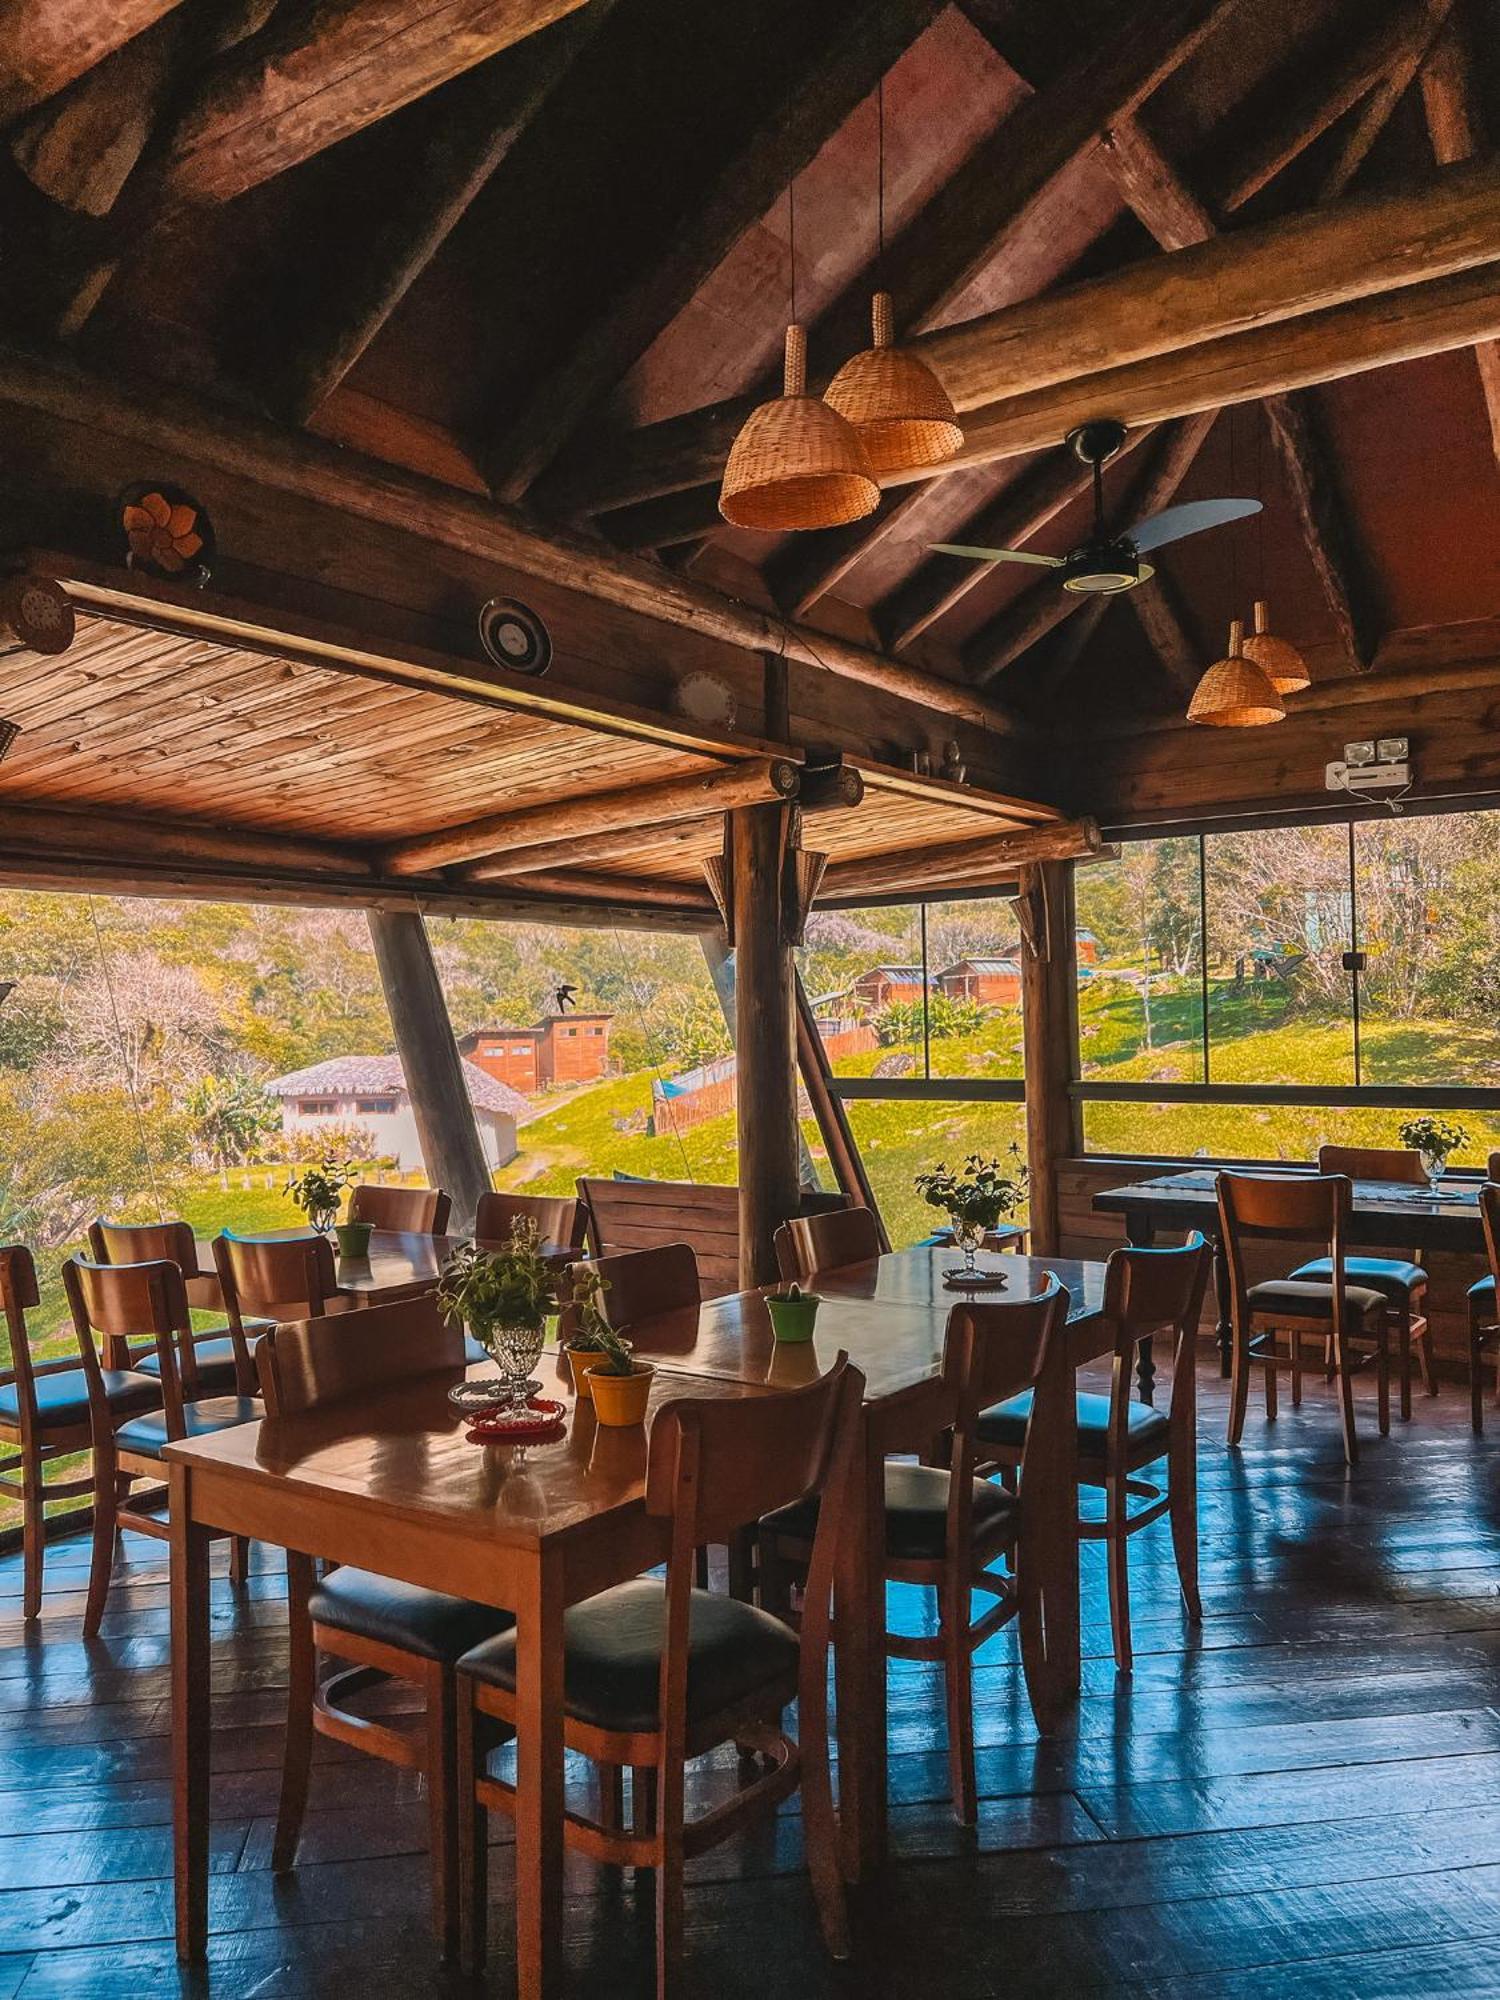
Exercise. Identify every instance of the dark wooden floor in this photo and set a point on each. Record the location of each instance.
(1302, 1799)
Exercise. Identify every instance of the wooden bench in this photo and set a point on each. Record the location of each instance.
(640, 1215)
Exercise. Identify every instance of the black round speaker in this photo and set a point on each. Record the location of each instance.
(514, 637)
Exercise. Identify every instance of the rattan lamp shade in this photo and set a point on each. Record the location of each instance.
(1235, 693)
(1278, 659)
(901, 410)
(797, 463)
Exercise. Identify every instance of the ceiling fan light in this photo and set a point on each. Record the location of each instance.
(1104, 570)
(796, 462)
(1235, 693)
(903, 414)
(1278, 659)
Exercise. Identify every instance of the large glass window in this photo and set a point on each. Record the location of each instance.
(1140, 964)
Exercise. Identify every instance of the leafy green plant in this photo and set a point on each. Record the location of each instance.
(592, 1332)
(318, 1191)
(981, 1193)
(902, 1020)
(230, 1116)
(493, 1288)
(1437, 1136)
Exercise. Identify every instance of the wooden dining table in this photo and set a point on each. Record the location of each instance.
(389, 1483)
(400, 1261)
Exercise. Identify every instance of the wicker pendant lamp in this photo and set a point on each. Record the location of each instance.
(1234, 693)
(796, 463)
(1278, 659)
(902, 412)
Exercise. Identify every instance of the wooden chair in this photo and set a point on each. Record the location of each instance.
(376, 1628)
(811, 1243)
(1402, 1280)
(1145, 1292)
(642, 1284)
(44, 1412)
(1484, 1316)
(276, 1278)
(945, 1526)
(210, 1362)
(121, 1303)
(642, 1215)
(559, 1218)
(1492, 1171)
(655, 1672)
(1312, 1208)
(413, 1211)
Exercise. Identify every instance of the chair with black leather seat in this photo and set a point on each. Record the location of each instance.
(656, 1673)
(210, 1364)
(44, 1412)
(1484, 1317)
(410, 1211)
(944, 1526)
(827, 1242)
(1145, 1292)
(1401, 1279)
(559, 1218)
(122, 1303)
(1307, 1208)
(374, 1628)
(276, 1278)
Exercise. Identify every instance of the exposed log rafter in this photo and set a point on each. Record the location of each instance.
(1456, 130)
(45, 44)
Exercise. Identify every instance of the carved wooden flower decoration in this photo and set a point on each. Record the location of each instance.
(162, 533)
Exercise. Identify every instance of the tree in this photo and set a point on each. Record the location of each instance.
(229, 1117)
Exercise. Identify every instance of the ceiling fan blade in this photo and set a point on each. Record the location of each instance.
(995, 555)
(1189, 519)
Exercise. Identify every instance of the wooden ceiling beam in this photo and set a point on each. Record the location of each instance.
(1009, 522)
(756, 781)
(1162, 616)
(281, 461)
(327, 326)
(1002, 641)
(1062, 840)
(1425, 25)
(811, 566)
(46, 44)
(624, 893)
(1457, 132)
(959, 231)
(810, 85)
(322, 72)
(584, 850)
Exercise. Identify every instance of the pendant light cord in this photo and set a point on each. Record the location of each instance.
(880, 181)
(791, 239)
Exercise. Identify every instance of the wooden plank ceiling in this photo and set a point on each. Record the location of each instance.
(1246, 227)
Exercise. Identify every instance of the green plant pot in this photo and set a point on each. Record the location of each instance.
(793, 1320)
(354, 1238)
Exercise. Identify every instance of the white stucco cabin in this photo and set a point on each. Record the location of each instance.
(371, 1091)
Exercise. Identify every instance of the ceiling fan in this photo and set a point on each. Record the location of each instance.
(1107, 563)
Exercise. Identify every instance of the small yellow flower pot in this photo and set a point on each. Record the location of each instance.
(620, 1400)
(583, 1361)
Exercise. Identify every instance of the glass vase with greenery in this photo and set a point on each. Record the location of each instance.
(976, 1197)
(1434, 1138)
(319, 1191)
(503, 1297)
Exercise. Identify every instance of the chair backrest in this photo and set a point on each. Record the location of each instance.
(812, 1243)
(1373, 1163)
(640, 1284)
(274, 1277)
(1489, 1215)
(132, 1302)
(559, 1217)
(1310, 1208)
(714, 1465)
(19, 1295)
(415, 1211)
(1492, 1171)
(311, 1364)
(640, 1215)
(1148, 1292)
(146, 1243)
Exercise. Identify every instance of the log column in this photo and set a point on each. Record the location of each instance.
(446, 1131)
(1049, 1004)
(764, 1036)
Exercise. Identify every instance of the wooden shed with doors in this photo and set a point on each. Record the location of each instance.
(390, 525)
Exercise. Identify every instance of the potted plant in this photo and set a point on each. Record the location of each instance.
(502, 1296)
(793, 1312)
(1434, 1139)
(976, 1198)
(620, 1385)
(586, 1341)
(319, 1191)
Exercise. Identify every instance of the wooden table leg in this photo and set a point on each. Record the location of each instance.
(1140, 1234)
(860, 1666)
(191, 1722)
(539, 1780)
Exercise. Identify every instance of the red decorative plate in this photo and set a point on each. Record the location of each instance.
(534, 1423)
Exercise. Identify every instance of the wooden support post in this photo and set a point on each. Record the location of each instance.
(720, 962)
(446, 1131)
(766, 1098)
(833, 1120)
(1049, 1009)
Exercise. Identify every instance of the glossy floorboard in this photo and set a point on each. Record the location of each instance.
(1302, 1798)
